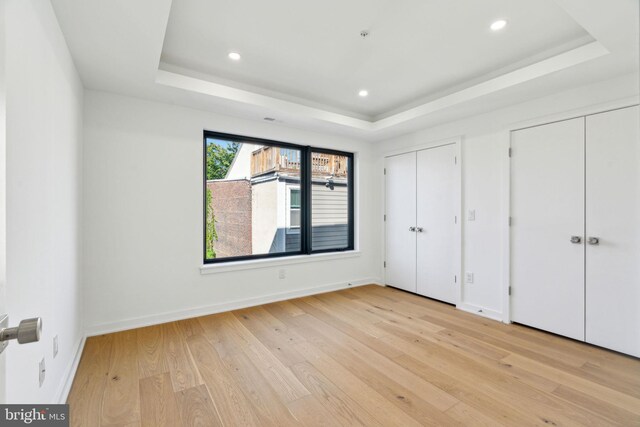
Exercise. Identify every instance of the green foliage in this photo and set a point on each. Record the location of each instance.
(219, 159)
(211, 235)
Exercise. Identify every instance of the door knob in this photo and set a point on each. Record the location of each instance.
(29, 330)
(593, 240)
(576, 239)
(419, 229)
(412, 229)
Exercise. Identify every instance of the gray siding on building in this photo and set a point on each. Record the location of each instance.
(330, 217)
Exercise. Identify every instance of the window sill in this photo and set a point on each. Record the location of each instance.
(274, 262)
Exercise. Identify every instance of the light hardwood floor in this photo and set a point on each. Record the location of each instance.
(365, 356)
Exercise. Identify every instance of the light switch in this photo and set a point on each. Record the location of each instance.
(471, 215)
(468, 277)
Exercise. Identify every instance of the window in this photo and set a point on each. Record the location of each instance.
(293, 224)
(266, 199)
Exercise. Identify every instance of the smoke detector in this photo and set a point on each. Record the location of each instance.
(364, 34)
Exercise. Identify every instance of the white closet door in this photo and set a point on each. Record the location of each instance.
(613, 216)
(547, 208)
(400, 255)
(436, 210)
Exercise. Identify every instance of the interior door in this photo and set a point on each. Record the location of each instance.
(613, 217)
(547, 232)
(436, 210)
(400, 211)
(3, 197)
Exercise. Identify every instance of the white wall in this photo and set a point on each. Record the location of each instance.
(486, 175)
(44, 130)
(143, 216)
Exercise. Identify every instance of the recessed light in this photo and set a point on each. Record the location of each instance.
(234, 56)
(363, 93)
(498, 25)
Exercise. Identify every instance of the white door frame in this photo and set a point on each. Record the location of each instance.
(506, 179)
(457, 141)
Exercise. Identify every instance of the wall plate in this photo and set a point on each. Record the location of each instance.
(4, 323)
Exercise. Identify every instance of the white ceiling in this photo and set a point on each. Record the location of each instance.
(304, 62)
(313, 50)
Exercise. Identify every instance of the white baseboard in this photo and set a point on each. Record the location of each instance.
(70, 374)
(156, 319)
(480, 311)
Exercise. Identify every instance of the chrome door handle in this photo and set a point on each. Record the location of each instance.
(412, 229)
(29, 330)
(576, 240)
(419, 229)
(593, 240)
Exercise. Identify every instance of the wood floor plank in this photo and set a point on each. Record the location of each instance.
(610, 396)
(196, 408)
(158, 407)
(182, 369)
(468, 415)
(537, 402)
(278, 340)
(371, 401)
(310, 413)
(151, 357)
(285, 384)
(469, 393)
(331, 340)
(90, 382)
(189, 327)
(121, 399)
(349, 329)
(361, 356)
(334, 400)
(232, 405)
(606, 410)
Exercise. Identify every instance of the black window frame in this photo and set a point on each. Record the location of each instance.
(306, 238)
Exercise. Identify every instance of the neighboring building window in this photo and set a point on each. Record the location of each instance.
(294, 210)
(265, 198)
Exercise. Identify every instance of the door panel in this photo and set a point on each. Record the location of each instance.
(436, 206)
(613, 216)
(3, 195)
(547, 205)
(400, 254)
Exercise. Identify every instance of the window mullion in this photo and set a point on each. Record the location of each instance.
(307, 173)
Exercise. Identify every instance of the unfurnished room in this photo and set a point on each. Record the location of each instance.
(336, 213)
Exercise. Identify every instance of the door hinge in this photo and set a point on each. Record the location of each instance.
(509, 290)
(510, 152)
(385, 171)
(385, 217)
(455, 160)
(455, 219)
(385, 264)
(510, 221)
(455, 279)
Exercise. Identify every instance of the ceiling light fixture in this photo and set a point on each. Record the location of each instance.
(235, 56)
(363, 93)
(498, 25)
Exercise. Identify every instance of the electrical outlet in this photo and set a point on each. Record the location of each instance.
(468, 277)
(471, 215)
(55, 346)
(282, 274)
(41, 369)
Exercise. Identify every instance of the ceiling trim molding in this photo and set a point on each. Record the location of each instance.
(547, 66)
(193, 84)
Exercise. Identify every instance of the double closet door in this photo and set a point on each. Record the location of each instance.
(575, 234)
(420, 222)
